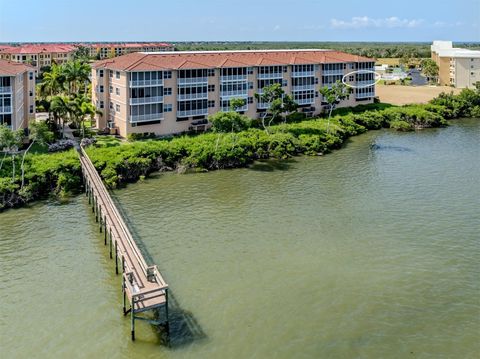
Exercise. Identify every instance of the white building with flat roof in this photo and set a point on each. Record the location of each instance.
(458, 67)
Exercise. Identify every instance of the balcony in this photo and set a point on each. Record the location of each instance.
(365, 83)
(236, 93)
(241, 109)
(303, 88)
(6, 89)
(234, 78)
(145, 118)
(190, 113)
(6, 109)
(263, 105)
(272, 75)
(192, 96)
(145, 100)
(365, 95)
(303, 74)
(332, 72)
(305, 101)
(192, 80)
(146, 83)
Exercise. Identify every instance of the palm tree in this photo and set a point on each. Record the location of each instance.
(59, 107)
(81, 108)
(53, 81)
(76, 74)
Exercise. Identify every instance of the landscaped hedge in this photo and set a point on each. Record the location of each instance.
(59, 173)
(45, 174)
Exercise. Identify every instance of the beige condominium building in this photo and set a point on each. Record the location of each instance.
(38, 55)
(174, 92)
(107, 50)
(17, 94)
(457, 67)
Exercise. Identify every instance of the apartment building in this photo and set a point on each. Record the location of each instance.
(104, 51)
(174, 92)
(17, 94)
(38, 55)
(457, 67)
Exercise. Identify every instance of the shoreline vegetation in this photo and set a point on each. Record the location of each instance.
(59, 174)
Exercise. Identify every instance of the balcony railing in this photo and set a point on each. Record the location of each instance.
(236, 93)
(234, 78)
(240, 109)
(366, 83)
(144, 83)
(303, 74)
(6, 89)
(192, 80)
(305, 101)
(365, 95)
(6, 109)
(332, 72)
(190, 113)
(272, 75)
(263, 105)
(193, 96)
(144, 100)
(303, 87)
(145, 118)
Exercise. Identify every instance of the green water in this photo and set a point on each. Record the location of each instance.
(370, 252)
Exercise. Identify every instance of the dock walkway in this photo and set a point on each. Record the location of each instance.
(142, 285)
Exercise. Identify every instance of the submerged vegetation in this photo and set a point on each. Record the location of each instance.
(235, 141)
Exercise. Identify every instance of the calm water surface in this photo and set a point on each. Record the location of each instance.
(370, 252)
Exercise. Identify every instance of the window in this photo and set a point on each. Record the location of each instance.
(110, 89)
(101, 104)
(211, 88)
(167, 91)
(168, 107)
(100, 73)
(101, 88)
(111, 106)
(30, 75)
(117, 107)
(250, 85)
(31, 108)
(284, 83)
(117, 74)
(30, 93)
(111, 73)
(250, 100)
(211, 103)
(117, 91)
(211, 72)
(167, 75)
(250, 70)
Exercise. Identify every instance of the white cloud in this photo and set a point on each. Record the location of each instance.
(359, 22)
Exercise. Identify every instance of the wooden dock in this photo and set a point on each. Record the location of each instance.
(142, 285)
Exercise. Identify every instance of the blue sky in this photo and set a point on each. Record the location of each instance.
(247, 20)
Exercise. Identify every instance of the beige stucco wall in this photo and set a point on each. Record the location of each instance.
(467, 72)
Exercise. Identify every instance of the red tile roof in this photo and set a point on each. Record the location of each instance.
(130, 45)
(215, 59)
(11, 68)
(38, 48)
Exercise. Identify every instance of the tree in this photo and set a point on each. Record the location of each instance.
(60, 110)
(81, 108)
(53, 82)
(10, 141)
(278, 102)
(38, 133)
(237, 103)
(76, 74)
(333, 95)
(82, 53)
(430, 69)
(229, 121)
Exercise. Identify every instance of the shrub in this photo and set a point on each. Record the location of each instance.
(401, 125)
(61, 145)
(229, 122)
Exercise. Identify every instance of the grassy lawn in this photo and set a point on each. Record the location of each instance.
(390, 61)
(38, 149)
(108, 141)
